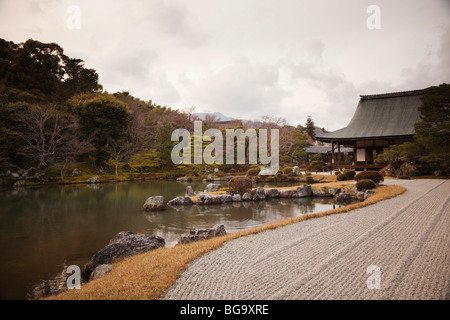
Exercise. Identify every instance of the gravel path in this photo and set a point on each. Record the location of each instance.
(406, 237)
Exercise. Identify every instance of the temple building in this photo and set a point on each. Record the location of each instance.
(379, 121)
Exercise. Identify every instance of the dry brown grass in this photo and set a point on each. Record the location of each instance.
(148, 275)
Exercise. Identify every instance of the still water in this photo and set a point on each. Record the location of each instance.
(44, 229)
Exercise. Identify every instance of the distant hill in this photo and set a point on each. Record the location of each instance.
(218, 116)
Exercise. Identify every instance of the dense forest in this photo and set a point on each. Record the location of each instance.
(57, 122)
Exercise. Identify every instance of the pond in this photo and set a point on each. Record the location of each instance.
(43, 229)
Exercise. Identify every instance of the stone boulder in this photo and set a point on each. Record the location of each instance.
(343, 197)
(199, 234)
(258, 194)
(189, 191)
(272, 193)
(204, 198)
(322, 192)
(213, 187)
(303, 192)
(296, 171)
(154, 203)
(224, 198)
(360, 195)
(406, 169)
(368, 193)
(100, 271)
(267, 172)
(286, 193)
(236, 197)
(387, 171)
(122, 245)
(180, 201)
(94, 179)
(246, 196)
(334, 191)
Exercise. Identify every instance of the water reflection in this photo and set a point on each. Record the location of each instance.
(44, 228)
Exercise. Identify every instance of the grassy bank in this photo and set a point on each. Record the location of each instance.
(148, 275)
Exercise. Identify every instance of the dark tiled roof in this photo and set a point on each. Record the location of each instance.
(381, 116)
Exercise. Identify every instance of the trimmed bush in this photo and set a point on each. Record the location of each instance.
(349, 174)
(240, 185)
(341, 177)
(372, 175)
(365, 184)
(253, 172)
(287, 170)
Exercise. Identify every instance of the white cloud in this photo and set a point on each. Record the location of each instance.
(248, 58)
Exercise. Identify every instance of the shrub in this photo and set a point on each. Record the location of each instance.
(349, 174)
(240, 185)
(341, 177)
(372, 175)
(317, 162)
(287, 170)
(253, 172)
(365, 184)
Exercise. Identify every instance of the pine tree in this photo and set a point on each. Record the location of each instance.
(310, 128)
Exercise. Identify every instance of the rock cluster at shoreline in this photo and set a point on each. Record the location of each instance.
(199, 234)
(156, 203)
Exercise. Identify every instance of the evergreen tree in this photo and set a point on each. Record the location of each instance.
(310, 128)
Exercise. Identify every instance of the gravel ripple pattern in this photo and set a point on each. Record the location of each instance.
(406, 237)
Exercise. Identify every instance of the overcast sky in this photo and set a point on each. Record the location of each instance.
(248, 58)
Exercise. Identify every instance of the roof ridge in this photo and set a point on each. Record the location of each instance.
(393, 94)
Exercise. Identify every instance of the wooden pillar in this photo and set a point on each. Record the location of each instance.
(355, 155)
(332, 155)
(339, 153)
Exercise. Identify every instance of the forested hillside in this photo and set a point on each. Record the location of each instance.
(58, 124)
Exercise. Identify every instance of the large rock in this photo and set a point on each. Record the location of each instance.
(100, 271)
(195, 235)
(406, 169)
(94, 179)
(272, 193)
(343, 197)
(286, 193)
(180, 201)
(204, 198)
(322, 192)
(296, 171)
(303, 192)
(334, 191)
(387, 171)
(360, 195)
(154, 203)
(258, 194)
(368, 193)
(267, 172)
(189, 191)
(213, 187)
(224, 198)
(236, 197)
(246, 196)
(122, 245)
